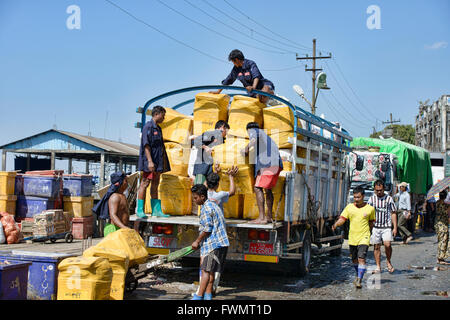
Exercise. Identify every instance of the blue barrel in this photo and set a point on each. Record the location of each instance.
(39, 186)
(42, 273)
(13, 279)
(28, 207)
(77, 185)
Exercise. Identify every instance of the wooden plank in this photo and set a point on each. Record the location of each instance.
(330, 238)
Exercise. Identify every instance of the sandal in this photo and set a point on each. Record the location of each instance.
(391, 269)
(443, 262)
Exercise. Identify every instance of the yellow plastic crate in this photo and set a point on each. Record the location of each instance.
(8, 204)
(7, 180)
(79, 206)
(84, 278)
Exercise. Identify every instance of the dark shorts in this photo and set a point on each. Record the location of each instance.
(215, 260)
(359, 251)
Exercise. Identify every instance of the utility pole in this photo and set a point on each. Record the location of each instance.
(313, 58)
(391, 121)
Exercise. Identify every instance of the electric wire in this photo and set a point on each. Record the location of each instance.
(216, 32)
(164, 34)
(297, 45)
(251, 29)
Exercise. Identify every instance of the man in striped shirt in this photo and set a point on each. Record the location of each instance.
(386, 218)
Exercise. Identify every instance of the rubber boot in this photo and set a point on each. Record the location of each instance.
(156, 209)
(140, 209)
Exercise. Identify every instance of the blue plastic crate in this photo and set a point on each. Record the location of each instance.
(13, 279)
(28, 207)
(42, 273)
(77, 185)
(39, 186)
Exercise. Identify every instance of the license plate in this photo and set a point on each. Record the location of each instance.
(160, 242)
(260, 248)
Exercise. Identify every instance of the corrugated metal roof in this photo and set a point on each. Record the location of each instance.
(108, 146)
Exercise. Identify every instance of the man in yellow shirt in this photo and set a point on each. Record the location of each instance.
(361, 217)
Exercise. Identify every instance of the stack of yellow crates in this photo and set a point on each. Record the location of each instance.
(208, 109)
(243, 110)
(79, 207)
(7, 197)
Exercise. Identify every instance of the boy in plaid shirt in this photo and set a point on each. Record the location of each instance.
(212, 239)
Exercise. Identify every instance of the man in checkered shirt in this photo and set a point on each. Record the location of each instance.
(212, 240)
(385, 226)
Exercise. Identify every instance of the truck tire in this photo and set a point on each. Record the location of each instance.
(305, 251)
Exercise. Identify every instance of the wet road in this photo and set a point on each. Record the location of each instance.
(329, 278)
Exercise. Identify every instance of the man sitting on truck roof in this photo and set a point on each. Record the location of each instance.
(361, 217)
(248, 73)
(268, 165)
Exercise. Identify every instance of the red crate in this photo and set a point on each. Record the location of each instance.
(82, 228)
(46, 172)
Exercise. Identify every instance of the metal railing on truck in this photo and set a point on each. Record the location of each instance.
(314, 142)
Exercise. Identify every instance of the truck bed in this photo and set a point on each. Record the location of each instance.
(193, 220)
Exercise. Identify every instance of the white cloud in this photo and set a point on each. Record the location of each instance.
(437, 45)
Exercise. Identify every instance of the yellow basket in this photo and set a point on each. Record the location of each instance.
(8, 204)
(79, 206)
(7, 181)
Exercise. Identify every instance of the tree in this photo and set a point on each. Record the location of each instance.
(405, 133)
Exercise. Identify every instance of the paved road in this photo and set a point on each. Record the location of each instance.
(330, 278)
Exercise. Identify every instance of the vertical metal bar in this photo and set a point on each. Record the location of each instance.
(70, 168)
(52, 161)
(87, 167)
(102, 170)
(4, 159)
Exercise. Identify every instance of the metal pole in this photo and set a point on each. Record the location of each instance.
(102, 170)
(4, 160)
(70, 166)
(52, 161)
(87, 167)
(313, 108)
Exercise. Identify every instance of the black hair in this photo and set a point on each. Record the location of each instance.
(252, 125)
(379, 182)
(359, 190)
(157, 110)
(221, 123)
(200, 189)
(236, 54)
(443, 194)
(212, 180)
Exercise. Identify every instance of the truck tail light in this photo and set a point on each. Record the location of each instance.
(162, 229)
(263, 235)
(253, 234)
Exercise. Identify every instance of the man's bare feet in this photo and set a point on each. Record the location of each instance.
(260, 221)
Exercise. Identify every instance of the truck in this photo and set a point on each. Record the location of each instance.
(395, 161)
(314, 199)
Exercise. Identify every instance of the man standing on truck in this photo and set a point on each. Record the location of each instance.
(204, 162)
(248, 73)
(212, 239)
(114, 206)
(268, 165)
(361, 217)
(386, 218)
(404, 212)
(153, 161)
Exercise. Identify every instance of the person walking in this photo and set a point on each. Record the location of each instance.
(441, 227)
(153, 161)
(430, 214)
(361, 217)
(385, 226)
(212, 239)
(404, 212)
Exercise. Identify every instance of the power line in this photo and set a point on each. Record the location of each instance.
(164, 34)
(351, 102)
(216, 32)
(252, 30)
(343, 108)
(340, 115)
(263, 26)
(234, 29)
(353, 91)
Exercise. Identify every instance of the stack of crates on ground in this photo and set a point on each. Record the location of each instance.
(38, 191)
(78, 201)
(7, 197)
(49, 222)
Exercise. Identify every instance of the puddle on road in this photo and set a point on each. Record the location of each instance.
(435, 293)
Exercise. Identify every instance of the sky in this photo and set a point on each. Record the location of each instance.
(92, 78)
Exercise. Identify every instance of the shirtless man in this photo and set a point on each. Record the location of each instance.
(113, 206)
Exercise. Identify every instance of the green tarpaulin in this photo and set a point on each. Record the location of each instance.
(414, 165)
